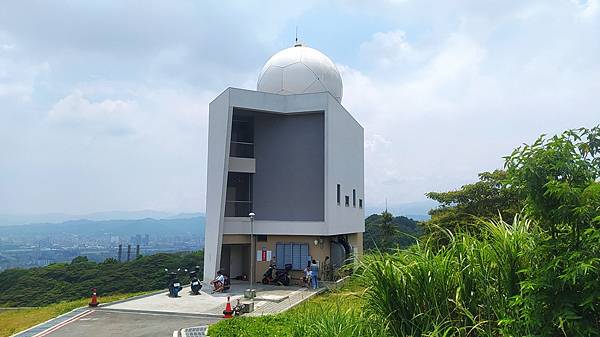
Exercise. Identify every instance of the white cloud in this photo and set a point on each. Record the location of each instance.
(469, 99)
(111, 116)
(106, 107)
(387, 48)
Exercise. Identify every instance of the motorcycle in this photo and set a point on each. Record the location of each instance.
(173, 283)
(195, 284)
(282, 276)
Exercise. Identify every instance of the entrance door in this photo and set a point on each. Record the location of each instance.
(235, 260)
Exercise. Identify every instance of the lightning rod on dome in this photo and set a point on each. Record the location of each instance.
(296, 43)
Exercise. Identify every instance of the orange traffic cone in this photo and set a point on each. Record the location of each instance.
(227, 313)
(94, 302)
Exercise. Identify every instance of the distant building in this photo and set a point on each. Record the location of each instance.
(293, 155)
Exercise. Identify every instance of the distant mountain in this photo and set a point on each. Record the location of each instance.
(417, 210)
(23, 219)
(153, 227)
(186, 215)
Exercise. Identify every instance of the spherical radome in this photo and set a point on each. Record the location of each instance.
(300, 70)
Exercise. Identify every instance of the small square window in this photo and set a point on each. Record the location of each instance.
(360, 203)
(347, 201)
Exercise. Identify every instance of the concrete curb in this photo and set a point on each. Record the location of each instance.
(104, 305)
(164, 313)
(32, 331)
(318, 292)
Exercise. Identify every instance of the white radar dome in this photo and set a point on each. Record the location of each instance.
(300, 70)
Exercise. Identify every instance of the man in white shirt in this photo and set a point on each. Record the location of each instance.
(219, 282)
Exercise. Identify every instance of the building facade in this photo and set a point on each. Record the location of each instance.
(292, 155)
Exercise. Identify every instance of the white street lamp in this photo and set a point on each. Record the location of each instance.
(252, 255)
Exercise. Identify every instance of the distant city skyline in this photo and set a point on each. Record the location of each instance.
(104, 104)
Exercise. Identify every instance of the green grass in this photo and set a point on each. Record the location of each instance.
(335, 313)
(13, 321)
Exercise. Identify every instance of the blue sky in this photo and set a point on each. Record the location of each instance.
(103, 105)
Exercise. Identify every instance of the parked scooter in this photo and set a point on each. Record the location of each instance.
(173, 283)
(268, 275)
(195, 284)
(281, 277)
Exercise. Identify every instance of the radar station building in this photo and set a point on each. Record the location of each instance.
(290, 153)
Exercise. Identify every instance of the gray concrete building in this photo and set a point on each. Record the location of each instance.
(290, 153)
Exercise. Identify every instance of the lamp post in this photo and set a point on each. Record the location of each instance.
(252, 254)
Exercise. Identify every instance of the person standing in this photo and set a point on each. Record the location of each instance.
(314, 274)
(306, 280)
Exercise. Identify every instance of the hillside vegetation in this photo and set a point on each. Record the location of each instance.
(70, 281)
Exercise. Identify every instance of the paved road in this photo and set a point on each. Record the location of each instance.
(105, 323)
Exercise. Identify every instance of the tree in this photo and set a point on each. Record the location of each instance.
(488, 198)
(387, 228)
(383, 231)
(558, 178)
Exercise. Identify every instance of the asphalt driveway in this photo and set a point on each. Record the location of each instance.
(99, 323)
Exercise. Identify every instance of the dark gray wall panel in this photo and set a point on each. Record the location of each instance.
(289, 179)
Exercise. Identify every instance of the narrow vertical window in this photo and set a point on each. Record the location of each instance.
(338, 194)
(354, 198)
(360, 204)
(347, 199)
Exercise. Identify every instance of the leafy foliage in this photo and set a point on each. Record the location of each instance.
(489, 198)
(559, 179)
(383, 231)
(69, 281)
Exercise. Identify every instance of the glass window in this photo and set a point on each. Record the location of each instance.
(238, 200)
(360, 203)
(347, 201)
(295, 254)
(338, 194)
(353, 198)
(242, 136)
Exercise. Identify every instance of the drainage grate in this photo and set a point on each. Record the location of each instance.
(197, 331)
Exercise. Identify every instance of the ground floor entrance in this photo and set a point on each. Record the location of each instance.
(330, 253)
(235, 260)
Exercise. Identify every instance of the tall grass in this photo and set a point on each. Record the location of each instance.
(463, 288)
(331, 320)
